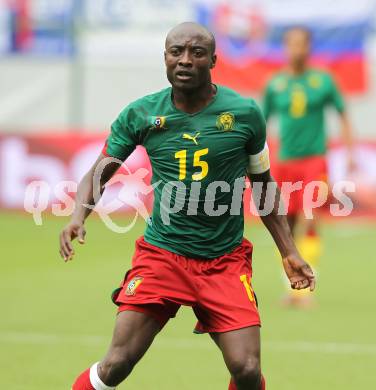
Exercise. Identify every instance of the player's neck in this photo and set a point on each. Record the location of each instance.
(297, 69)
(193, 101)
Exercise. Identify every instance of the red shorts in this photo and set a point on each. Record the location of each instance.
(219, 290)
(305, 170)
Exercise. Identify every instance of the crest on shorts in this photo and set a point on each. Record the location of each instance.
(159, 122)
(226, 121)
(133, 284)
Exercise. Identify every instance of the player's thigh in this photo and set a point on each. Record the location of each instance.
(133, 334)
(239, 346)
(226, 297)
(315, 169)
(290, 178)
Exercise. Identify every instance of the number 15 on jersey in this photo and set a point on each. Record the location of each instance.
(181, 155)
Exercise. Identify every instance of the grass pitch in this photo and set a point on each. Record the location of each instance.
(56, 319)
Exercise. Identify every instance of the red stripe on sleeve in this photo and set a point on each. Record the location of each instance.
(104, 150)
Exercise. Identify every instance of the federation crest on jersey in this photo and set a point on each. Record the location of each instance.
(132, 285)
(280, 84)
(314, 81)
(226, 121)
(159, 122)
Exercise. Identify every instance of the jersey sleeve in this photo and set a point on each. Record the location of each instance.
(123, 137)
(335, 97)
(256, 142)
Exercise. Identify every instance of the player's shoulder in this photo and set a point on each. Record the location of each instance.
(236, 99)
(150, 100)
(147, 102)
(278, 82)
(154, 97)
(318, 78)
(243, 108)
(318, 72)
(229, 93)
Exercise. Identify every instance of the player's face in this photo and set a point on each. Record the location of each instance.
(189, 59)
(297, 46)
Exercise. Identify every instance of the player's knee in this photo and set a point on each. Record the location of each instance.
(247, 371)
(116, 367)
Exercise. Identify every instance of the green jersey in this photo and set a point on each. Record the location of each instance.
(300, 102)
(199, 164)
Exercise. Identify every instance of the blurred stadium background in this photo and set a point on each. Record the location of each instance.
(67, 68)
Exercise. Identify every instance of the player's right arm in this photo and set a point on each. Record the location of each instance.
(267, 101)
(85, 196)
(120, 144)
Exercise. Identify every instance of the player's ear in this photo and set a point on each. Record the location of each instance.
(164, 55)
(213, 61)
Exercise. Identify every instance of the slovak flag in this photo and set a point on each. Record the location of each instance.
(249, 38)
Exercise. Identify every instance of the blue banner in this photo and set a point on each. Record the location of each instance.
(38, 27)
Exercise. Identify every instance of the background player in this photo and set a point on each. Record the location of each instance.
(197, 258)
(299, 96)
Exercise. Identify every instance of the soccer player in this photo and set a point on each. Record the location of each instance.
(299, 95)
(202, 140)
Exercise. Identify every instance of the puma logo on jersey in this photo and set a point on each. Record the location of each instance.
(190, 137)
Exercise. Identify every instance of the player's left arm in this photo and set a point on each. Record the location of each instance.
(337, 100)
(298, 271)
(348, 139)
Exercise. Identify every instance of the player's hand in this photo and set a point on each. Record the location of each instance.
(69, 233)
(299, 272)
